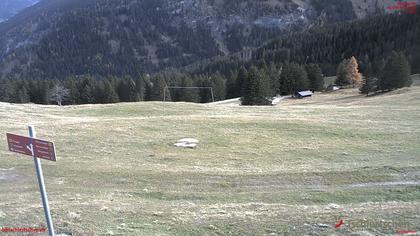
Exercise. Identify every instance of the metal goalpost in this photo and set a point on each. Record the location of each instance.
(167, 88)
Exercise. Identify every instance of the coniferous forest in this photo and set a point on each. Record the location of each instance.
(292, 62)
(370, 40)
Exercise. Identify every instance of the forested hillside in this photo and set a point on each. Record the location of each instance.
(60, 38)
(288, 64)
(9, 8)
(371, 41)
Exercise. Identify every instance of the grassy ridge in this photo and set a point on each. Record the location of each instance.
(258, 170)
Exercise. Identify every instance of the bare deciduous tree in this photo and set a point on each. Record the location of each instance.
(59, 94)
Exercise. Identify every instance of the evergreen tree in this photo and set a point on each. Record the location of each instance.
(109, 95)
(74, 96)
(21, 94)
(87, 91)
(274, 73)
(415, 61)
(370, 81)
(156, 88)
(370, 85)
(231, 90)
(241, 82)
(99, 92)
(141, 87)
(6, 90)
(38, 91)
(396, 73)
(188, 95)
(316, 79)
(133, 94)
(294, 79)
(378, 68)
(124, 90)
(205, 94)
(284, 82)
(255, 91)
(218, 84)
(342, 72)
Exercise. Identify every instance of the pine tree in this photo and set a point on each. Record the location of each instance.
(255, 92)
(294, 79)
(284, 82)
(133, 95)
(141, 87)
(241, 82)
(218, 84)
(157, 87)
(188, 95)
(205, 94)
(342, 73)
(6, 90)
(74, 96)
(370, 80)
(370, 85)
(123, 90)
(109, 95)
(38, 91)
(396, 73)
(316, 79)
(99, 92)
(415, 61)
(231, 90)
(378, 67)
(21, 94)
(274, 73)
(264, 75)
(87, 91)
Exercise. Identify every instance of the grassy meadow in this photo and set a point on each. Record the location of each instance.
(292, 169)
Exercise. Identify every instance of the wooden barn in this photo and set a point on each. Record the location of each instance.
(304, 94)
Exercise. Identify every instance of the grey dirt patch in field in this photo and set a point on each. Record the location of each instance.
(8, 175)
(386, 184)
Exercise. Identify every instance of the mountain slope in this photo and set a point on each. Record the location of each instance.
(59, 38)
(9, 8)
(371, 41)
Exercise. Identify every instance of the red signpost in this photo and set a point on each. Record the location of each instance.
(38, 149)
(31, 147)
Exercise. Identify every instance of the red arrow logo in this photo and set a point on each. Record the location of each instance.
(339, 224)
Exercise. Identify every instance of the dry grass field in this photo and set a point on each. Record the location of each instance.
(293, 169)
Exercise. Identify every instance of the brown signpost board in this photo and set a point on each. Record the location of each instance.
(38, 149)
(31, 147)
